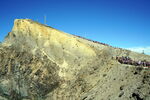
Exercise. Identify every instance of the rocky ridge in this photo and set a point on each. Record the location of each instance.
(39, 62)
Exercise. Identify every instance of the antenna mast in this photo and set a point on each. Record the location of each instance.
(45, 19)
(143, 52)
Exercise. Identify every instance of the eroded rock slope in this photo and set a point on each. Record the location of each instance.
(38, 62)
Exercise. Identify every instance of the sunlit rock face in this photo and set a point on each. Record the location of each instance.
(38, 62)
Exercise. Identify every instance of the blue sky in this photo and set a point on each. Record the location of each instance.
(120, 23)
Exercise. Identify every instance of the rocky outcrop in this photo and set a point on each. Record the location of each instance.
(24, 75)
(38, 62)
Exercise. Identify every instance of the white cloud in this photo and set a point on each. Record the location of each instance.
(140, 49)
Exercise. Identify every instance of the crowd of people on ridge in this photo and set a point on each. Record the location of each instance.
(128, 60)
(123, 60)
(93, 41)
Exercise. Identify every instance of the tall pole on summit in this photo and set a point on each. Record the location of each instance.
(45, 19)
(143, 52)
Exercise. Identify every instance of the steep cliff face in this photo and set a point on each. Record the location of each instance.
(38, 62)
